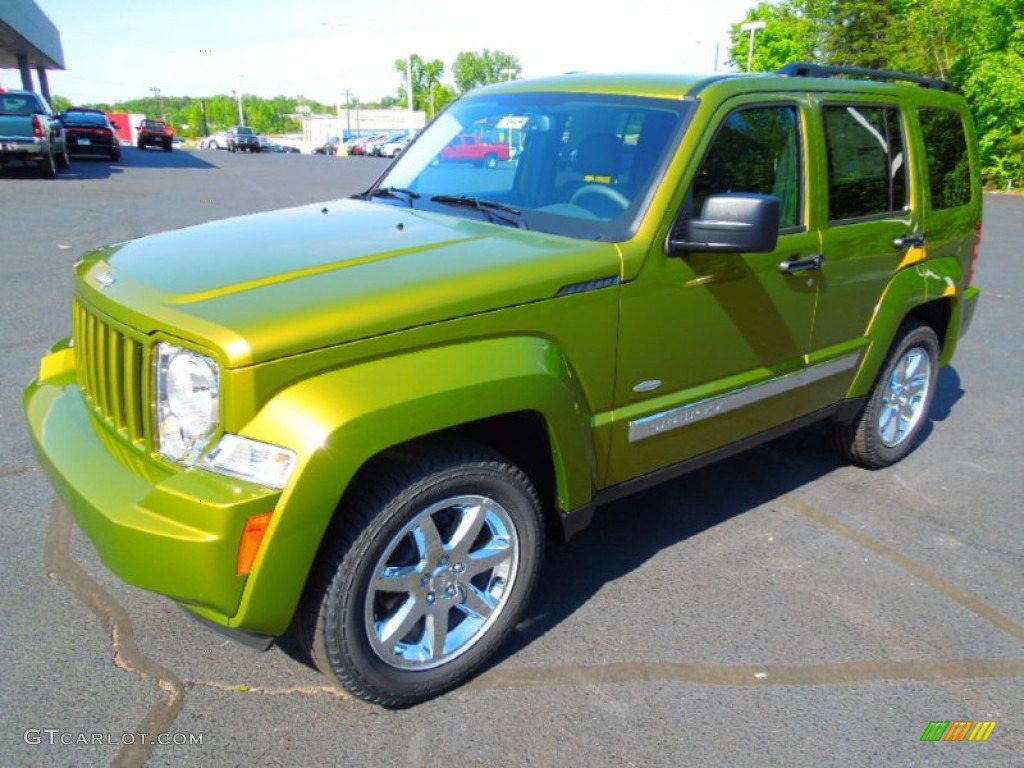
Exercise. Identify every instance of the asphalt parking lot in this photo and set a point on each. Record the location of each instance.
(777, 609)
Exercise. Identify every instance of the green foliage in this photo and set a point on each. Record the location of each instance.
(789, 36)
(473, 69)
(976, 44)
(60, 104)
(426, 82)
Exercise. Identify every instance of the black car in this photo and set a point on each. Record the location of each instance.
(89, 131)
(242, 137)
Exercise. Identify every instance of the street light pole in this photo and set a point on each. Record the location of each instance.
(241, 113)
(335, 27)
(752, 27)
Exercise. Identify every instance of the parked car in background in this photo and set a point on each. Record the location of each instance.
(31, 133)
(242, 137)
(217, 140)
(329, 147)
(393, 147)
(155, 133)
(470, 148)
(89, 131)
(363, 145)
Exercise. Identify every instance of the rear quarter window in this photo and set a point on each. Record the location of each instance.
(949, 163)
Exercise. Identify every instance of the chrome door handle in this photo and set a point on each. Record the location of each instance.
(915, 240)
(814, 261)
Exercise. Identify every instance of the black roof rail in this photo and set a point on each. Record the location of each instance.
(806, 69)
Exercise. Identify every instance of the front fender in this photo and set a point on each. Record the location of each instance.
(338, 420)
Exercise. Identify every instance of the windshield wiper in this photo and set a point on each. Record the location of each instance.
(495, 212)
(396, 193)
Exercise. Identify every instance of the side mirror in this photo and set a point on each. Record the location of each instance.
(737, 222)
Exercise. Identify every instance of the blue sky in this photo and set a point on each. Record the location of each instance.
(117, 49)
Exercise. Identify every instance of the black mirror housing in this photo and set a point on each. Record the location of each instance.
(737, 222)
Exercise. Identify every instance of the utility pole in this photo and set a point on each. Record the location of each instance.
(160, 101)
(348, 111)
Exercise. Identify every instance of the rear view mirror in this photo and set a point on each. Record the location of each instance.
(738, 222)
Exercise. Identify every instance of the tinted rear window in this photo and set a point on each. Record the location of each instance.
(949, 164)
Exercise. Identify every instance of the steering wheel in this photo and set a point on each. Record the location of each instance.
(601, 190)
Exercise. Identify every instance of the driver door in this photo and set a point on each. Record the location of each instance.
(712, 345)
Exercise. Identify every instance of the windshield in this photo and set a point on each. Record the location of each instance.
(244, 131)
(565, 163)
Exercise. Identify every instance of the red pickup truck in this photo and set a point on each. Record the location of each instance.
(469, 148)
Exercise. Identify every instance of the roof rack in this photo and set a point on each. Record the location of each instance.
(805, 69)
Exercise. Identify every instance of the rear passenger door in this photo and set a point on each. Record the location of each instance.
(871, 224)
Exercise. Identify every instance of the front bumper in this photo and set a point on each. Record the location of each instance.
(164, 529)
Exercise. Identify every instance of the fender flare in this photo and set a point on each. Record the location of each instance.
(340, 419)
(909, 289)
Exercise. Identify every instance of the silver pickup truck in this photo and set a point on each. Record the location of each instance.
(31, 133)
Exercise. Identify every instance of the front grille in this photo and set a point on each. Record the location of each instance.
(110, 373)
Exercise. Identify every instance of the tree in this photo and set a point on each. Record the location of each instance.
(426, 78)
(471, 70)
(60, 103)
(789, 35)
(978, 45)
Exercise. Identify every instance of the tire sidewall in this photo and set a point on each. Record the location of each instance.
(915, 337)
(345, 638)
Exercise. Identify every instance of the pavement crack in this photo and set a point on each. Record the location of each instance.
(293, 690)
(695, 673)
(931, 578)
(127, 655)
(17, 471)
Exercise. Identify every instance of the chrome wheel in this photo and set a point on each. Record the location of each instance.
(896, 409)
(903, 402)
(441, 583)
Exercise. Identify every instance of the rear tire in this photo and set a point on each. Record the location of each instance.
(48, 166)
(423, 574)
(63, 160)
(897, 407)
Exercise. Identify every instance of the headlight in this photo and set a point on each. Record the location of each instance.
(251, 460)
(187, 401)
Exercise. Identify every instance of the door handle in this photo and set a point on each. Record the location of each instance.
(915, 240)
(793, 266)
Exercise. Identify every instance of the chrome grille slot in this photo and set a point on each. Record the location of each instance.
(110, 373)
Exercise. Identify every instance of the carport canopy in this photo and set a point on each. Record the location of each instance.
(28, 39)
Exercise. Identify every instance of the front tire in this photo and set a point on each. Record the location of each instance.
(424, 574)
(897, 407)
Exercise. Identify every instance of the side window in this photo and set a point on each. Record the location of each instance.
(867, 168)
(757, 150)
(949, 164)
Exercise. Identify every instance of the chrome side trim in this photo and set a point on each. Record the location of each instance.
(657, 423)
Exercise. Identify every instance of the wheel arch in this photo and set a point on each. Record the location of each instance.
(520, 399)
(930, 293)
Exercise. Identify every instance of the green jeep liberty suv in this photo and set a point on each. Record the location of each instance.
(357, 419)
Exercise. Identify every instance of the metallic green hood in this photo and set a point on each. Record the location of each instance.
(258, 287)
